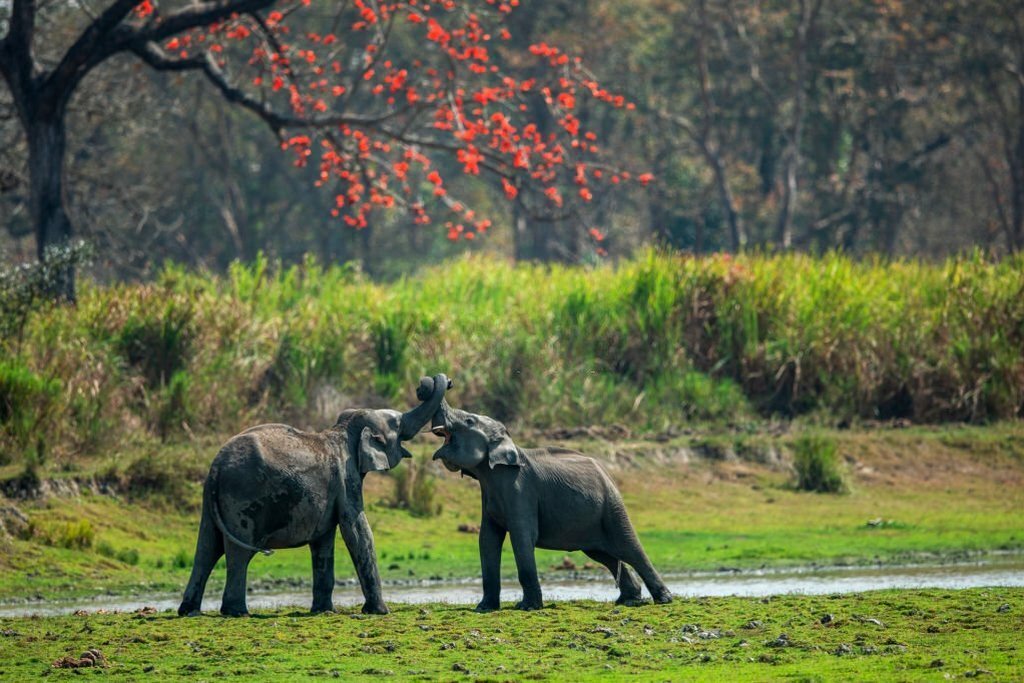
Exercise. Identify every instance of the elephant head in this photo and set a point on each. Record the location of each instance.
(470, 440)
(375, 436)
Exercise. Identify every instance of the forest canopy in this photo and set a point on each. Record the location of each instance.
(882, 126)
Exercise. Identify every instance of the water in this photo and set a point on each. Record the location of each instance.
(809, 581)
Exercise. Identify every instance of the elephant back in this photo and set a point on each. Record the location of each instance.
(275, 486)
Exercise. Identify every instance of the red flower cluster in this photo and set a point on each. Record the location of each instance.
(371, 117)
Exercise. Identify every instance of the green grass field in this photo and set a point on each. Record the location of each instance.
(891, 635)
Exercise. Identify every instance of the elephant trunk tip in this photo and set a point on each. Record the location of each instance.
(431, 392)
(426, 388)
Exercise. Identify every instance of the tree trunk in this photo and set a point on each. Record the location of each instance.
(46, 146)
(737, 233)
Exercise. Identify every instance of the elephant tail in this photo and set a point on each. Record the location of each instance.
(219, 521)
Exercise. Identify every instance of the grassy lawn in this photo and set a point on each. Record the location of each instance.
(904, 635)
(928, 494)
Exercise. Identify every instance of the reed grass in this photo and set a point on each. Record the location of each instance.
(650, 343)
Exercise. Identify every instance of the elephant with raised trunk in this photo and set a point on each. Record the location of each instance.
(273, 486)
(542, 498)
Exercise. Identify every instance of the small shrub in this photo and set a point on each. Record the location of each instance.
(128, 556)
(817, 465)
(174, 412)
(160, 477)
(105, 549)
(75, 535)
(424, 495)
(159, 343)
(415, 490)
(28, 402)
(182, 559)
(390, 334)
(23, 287)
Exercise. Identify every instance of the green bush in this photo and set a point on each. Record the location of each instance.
(28, 402)
(74, 535)
(415, 489)
(817, 465)
(174, 411)
(182, 559)
(24, 288)
(157, 339)
(162, 477)
(128, 556)
(651, 343)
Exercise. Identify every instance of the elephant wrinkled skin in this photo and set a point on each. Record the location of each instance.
(273, 486)
(549, 498)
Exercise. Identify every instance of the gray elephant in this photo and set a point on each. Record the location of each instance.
(274, 486)
(543, 498)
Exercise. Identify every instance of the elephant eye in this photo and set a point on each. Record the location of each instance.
(379, 439)
(470, 422)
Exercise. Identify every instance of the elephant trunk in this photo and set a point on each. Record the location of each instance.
(442, 422)
(431, 392)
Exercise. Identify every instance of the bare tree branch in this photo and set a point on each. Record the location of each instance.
(69, 70)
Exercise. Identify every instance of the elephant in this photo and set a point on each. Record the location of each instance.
(551, 498)
(273, 486)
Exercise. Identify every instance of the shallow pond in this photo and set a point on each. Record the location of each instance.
(809, 581)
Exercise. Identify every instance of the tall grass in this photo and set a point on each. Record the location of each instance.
(649, 343)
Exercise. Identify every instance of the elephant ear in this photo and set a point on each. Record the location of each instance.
(501, 450)
(372, 456)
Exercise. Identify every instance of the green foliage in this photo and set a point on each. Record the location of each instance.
(28, 403)
(182, 559)
(162, 477)
(415, 489)
(174, 412)
(24, 287)
(77, 535)
(129, 556)
(648, 343)
(157, 338)
(390, 334)
(817, 465)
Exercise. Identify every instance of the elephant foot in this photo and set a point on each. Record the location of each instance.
(663, 598)
(630, 601)
(529, 605)
(234, 611)
(378, 608)
(323, 609)
(187, 610)
(487, 606)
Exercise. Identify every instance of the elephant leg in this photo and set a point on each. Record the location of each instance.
(523, 544)
(629, 550)
(629, 586)
(209, 548)
(322, 550)
(233, 602)
(355, 531)
(492, 537)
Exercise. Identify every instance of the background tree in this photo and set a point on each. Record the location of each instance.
(367, 102)
(888, 127)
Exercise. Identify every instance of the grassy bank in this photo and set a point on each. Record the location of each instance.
(905, 635)
(699, 502)
(652, 344)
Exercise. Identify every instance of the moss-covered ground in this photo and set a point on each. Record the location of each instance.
(892, 635)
